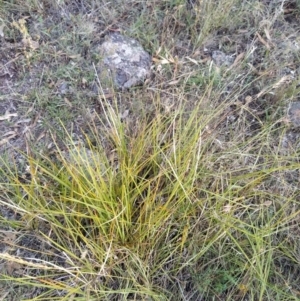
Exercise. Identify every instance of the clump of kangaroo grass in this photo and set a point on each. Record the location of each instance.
(158, 213)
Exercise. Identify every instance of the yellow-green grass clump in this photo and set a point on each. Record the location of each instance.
(160, 212)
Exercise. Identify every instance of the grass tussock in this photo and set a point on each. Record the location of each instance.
(157, 217)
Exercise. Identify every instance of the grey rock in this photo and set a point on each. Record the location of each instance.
(291, 139)
(294, 114)
(63, 88)
(81, 156)
(221, 59)
(128, 63)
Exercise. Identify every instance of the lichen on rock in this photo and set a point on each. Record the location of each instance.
(127, 61)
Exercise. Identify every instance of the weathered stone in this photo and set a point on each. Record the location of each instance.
(83, 158)
(294, 113)
(128, 62)
(291, 139)
(221, 59)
